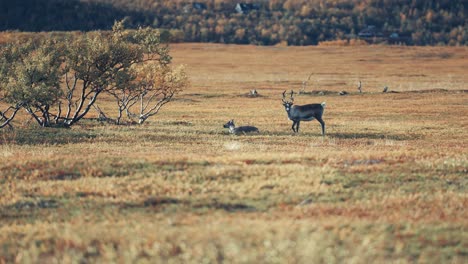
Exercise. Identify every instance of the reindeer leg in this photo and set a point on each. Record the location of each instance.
(297, 126)
(323, 125)
(293, 129)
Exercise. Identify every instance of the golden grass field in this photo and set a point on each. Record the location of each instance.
(388, 184)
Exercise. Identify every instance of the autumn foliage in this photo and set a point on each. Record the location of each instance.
(296, 22)
(58, 82)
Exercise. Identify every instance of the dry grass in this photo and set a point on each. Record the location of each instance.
(387, 184)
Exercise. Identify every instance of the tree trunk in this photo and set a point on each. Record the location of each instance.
(119, 116)
(142, 119)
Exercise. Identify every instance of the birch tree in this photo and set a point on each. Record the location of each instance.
(157, 86)
(30, 75)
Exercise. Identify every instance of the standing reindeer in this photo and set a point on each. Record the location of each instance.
(298, 113)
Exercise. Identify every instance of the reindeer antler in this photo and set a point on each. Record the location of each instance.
(291, 96)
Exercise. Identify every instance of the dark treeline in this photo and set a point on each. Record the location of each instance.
(55, 15)
(295, 22)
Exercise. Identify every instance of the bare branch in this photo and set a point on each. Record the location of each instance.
(7, 120)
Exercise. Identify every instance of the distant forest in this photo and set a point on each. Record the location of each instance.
(261, 22)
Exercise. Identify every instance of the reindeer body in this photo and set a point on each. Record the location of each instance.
(242, 129)
(298, 113)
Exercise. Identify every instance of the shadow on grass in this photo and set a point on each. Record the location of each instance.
(28, 208)
(40, 136)
(56, 170)
(398, 137)
(205, 95)
(38, 204)
(160, 203)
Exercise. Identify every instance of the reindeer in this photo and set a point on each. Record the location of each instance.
(237, 130)
(253, 93)
(298, 113)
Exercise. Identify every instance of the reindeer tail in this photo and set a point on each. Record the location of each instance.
(323, 104)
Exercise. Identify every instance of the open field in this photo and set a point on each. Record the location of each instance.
(387, 184)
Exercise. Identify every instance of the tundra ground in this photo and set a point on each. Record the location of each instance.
(388, 183)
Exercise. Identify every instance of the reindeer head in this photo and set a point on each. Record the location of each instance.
(288, 104)
(229, 124)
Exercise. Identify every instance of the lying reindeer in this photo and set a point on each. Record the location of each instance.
(237, 130)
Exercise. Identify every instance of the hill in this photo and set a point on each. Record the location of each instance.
(295, 22)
